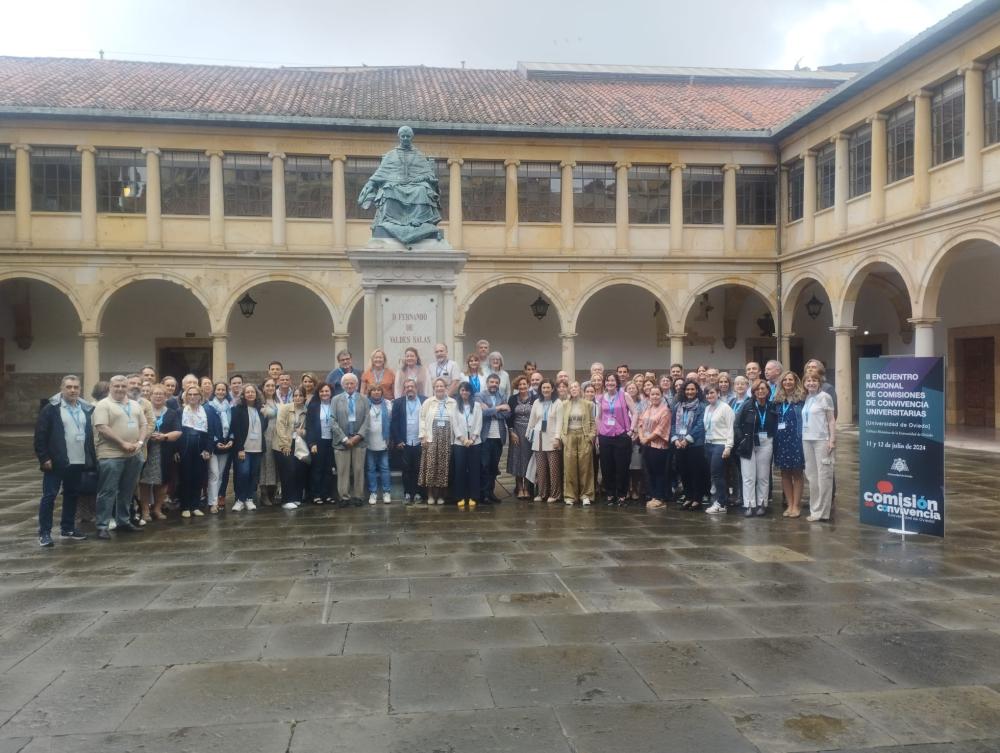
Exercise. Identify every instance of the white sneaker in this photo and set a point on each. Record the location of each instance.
(250, 505)
(372, 498)
(387, 499)
(418, 500)
(712, 509)
(197, 513)
(537, 499)
(289, 506)
(112, 524)
(440, 500)
(407, 499)
(238, 506)
(569, 502)
(586, 501)
(813, 518)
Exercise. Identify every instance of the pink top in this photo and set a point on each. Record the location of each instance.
(614, 415)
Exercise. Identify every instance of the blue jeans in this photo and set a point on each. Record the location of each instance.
(377, 468)
(117, 478)
(717, 469)
(69, 480)
(247, 473)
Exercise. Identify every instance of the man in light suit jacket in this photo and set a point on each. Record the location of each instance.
(349, 425)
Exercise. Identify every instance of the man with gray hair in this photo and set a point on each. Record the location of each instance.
(120, 434)
(483, 351)
(772, 373)
(349, 427)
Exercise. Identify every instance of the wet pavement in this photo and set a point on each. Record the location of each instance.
(521, 627)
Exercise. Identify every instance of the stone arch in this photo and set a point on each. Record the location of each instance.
(222, 316)
(748, 283)
(462, 308)
(926, 302)
(794, 290)
(55, 282)
(609, 282)
(844, 309)
(342, 322)
(125, 280)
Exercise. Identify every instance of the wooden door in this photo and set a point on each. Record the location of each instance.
(977, 381)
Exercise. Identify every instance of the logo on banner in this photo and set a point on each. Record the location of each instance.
(899, 466)
(912, 506)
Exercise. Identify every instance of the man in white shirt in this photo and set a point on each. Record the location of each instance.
(284, 392)
(442, 367)
(120, 432)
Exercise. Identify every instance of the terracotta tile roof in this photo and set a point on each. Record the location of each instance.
(501, 99)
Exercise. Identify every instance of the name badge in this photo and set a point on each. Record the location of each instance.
(133, 423)
(781, 426)
(441, 423)
(80, 437)
(762, 436)
(610, 421)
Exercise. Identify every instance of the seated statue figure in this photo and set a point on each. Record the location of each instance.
(404, 190)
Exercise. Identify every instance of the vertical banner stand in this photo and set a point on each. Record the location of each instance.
(902, 528)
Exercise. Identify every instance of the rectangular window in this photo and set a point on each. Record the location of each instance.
(308, 187)
(796, 189)
(484, 191)
(184, 183)
(649, 195)
(246, 184)
(756, 199)
(55, 179)
(539, 188)
(702, 195)
(121, 181)
(826, 163)
(948, 121)
(899, 143)
(7, 172)
(357, 171)
(859, 149)
(594, 193)
(991, 100)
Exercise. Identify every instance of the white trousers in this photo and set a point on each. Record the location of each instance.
(757, 474)
(819, 473)
(216, 465)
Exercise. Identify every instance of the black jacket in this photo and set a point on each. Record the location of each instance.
(50, 436)
(397, 420)
(747, 425)
(241, 427)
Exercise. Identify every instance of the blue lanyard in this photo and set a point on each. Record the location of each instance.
(784, 410)
(324, 410)
(128, 409)
(545, 410)
(443, 369)
(75, 412)
(159, 420)
(805, 410)
(412, 406)
(441, 409)
(762, 415)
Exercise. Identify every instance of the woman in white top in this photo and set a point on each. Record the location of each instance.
(494, 365)
(377, 454)
(819, 438)
(435, 437)
(467, 426)
(544, 434)
(718, 419)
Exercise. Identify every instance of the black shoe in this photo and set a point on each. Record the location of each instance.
(74, 535)
(358, 502)
(748, 513)
(344, 503)
(45, 540)
(491, 498)
(103, 534)
(761, 512)
(128, 528)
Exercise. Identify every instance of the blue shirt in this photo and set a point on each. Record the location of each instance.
(412, 406)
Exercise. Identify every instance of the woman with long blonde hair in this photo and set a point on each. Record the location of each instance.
(789, 456)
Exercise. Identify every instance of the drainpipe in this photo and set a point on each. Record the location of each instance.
(778, 324)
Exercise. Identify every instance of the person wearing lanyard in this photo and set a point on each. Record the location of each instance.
(193, 452)
(544, 434)
(346, 366)
(654, 439)
(753, 438)
(411, 368)
(220, 414)
(319, 437)
(519, 452)
(789, 455)
(466, 425)
(249, 425)
(818, 441)
(291, 424)
(614, 440)
(495, 366)
(718, 446)
(284, 393)
(688, 438)
(350, 427)
(121, 432)
(153, 479)
(377, 455)
(267, 489)
(379, 373)
(471, 375)
(495, 410)
(436, 430)
(404, 435)
(64, 446)
(577, 432)
(441, 368)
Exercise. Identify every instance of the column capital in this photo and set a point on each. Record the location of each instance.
(276, 155)
(730, 167)
(844, 330)
(21, 147)
(340, 335)
(369, 287)
(564, 165)
(877, 116)
(808, 154)
(840, 136)
(455, 161)
(86, 148)
(91, 335)
(919, 94)
(150, 150)
(337, 158)
(215, 153)
(677, 166)
(973, 66)
(677, 335)
(623, 165)
(924, 321)
(514, 162)
(218, 335)
(567, 335)
(459, 335)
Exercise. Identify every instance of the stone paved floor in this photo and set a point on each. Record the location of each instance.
(519, 628)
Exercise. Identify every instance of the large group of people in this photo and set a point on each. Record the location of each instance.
(701, 439)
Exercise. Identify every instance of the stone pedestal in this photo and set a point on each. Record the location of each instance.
(409, 295)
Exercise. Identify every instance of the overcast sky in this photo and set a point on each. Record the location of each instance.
(721, 33)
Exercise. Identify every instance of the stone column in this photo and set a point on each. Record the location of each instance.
(278, 235)
(154, 222)
(729, 208)
(91, 360)
(809, 198)
(786, 349)
(840, 179)
(923, 335)
(458, 353)
(921, 148)
(455, 202)
(448, 324)
(569, 354)
(844, 374)
(677, 207)
(371, 325)
(339, 203)
(340, 340)
(621, 206)
(220, 356)
(22, 193)
(677, 347)
(566, 216)
(510, 218)
(88, 196)
(974, 126)
(216, 199)
(879, 167)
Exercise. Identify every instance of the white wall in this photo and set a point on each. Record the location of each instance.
(817, 339)
(57, 347)
(503, 316)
